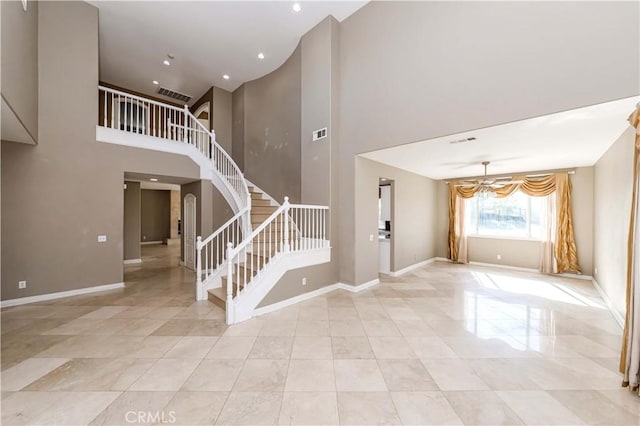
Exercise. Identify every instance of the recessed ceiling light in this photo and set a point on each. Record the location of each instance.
(226, 77)
(155, 82)
(166, 62)
(297, 7)
(153, 180)
(260, 55)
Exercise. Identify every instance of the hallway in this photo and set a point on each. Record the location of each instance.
(445, 344)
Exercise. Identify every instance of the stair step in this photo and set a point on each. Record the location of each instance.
(263, 210)
(218, 297)
(257, 196)
(259, 217)
(261, 202)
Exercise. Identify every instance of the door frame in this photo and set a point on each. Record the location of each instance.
(189, 252)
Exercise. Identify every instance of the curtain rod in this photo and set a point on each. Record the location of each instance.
(529, 175)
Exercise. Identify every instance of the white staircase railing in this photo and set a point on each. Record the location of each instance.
(211, 253)
(291, 228)
(134, 114)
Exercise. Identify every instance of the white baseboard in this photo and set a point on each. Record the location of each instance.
(59, 295)
(132, 261)
(616, 315)
(443, 259)
(575, 276)
(412, 267)
(315, 293)
(148, 243)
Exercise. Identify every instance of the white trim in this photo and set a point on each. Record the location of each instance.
(496, 265)
(443, 259)
(132, 261)
(575, 276)
(314, 293)
(58, 295)
(412, 267)
(148, 243)
(616, 315)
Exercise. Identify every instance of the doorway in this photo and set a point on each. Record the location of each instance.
(385, 225)
(189, 227)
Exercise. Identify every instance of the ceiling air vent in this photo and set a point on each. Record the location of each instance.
(462, 140)
(174, 95)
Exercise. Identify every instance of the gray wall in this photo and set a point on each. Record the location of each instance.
(414, 211)
(237, 128)
(221, 111)
(319, 173)
(272, 130)
(131, 224)
(20, 62)
(613, 183)
(155, 215)
(416, 70)
(59, 196)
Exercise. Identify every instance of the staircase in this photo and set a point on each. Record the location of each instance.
(239, 263)
(262, 208)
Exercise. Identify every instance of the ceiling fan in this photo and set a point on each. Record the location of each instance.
(485, 184)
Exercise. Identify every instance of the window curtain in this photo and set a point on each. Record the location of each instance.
(458, 251)
(548, 263)
(630, 355)
(563, 243)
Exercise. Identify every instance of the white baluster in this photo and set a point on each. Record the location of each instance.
(199, 289)
(286, 224)
(230, 313)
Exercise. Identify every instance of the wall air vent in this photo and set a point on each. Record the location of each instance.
(174, 95)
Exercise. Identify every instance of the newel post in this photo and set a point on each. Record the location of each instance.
(229, 307)
(287, 248)
(199, 289)
(186, 117)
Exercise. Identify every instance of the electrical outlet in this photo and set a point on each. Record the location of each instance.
(304, 281)
(499, 257)
(22, 284)
(370, 237)
(102, 238)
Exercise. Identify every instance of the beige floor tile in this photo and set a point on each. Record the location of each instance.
(176, 327)
(454, 374)
(165, 375)
(538, 407)
(502, 374)
(135, 408)
(28, 371)
(272, 347)
(247, 328)
(482, 408)
(312, 328)
(430, 347)
(342, 313)
(105, 312)
(593, 409)
(624, 398)
(309, 408)
(367, 408)
(278, 328)
(356, 375)
(251, 408)
(391, 348)
(191, 347)
(93, 374)
(194, 408)
(140, 326)
(310, 347)
(379, 328)
(262, 375)
(406, 375)
(351, 348)
(313, 313)
(424, 408)
(209, 327)
(352, 327)
(54, 408)
(214, 375)
(231, 347)
(310, 375)
(153, 347)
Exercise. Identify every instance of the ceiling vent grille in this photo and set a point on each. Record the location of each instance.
(174, 95)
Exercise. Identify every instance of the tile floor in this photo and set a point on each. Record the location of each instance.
(445, 344)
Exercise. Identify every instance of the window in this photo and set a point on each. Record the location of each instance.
(516, 216)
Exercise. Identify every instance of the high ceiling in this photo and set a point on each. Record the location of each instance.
(574, 138)
(207, 38)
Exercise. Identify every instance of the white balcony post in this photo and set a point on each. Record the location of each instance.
(287, 248)
(186, 117)
(229, 307)
(199, 289)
